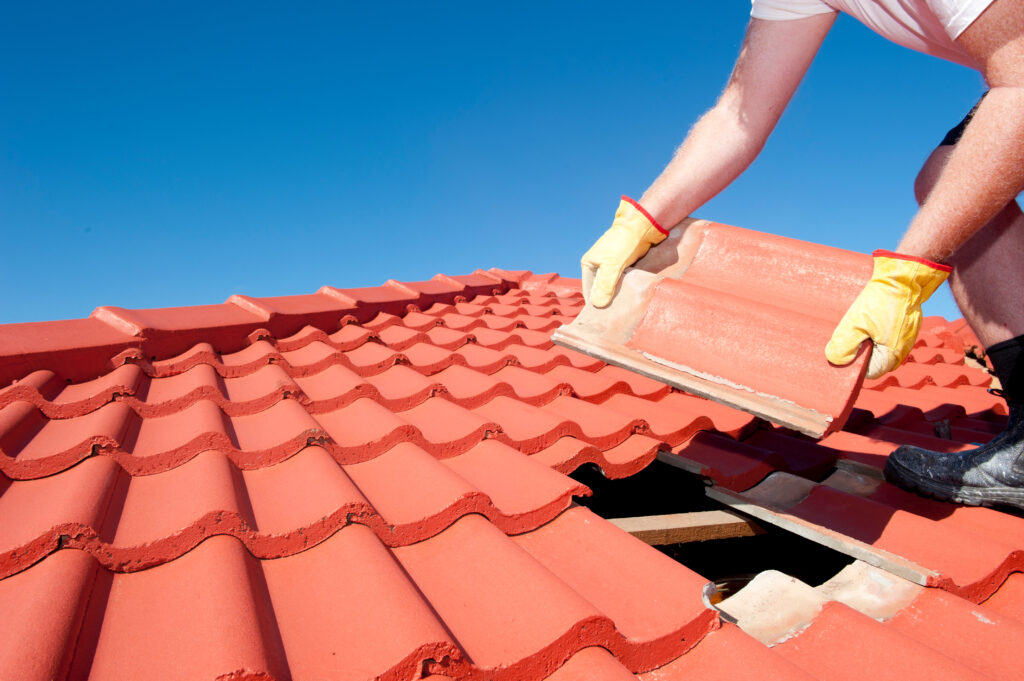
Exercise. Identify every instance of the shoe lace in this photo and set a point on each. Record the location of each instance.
(1004, 395)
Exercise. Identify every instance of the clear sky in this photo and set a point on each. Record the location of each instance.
(164, 154)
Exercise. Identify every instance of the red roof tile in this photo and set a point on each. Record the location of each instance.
(844, 644)
(729, 654)
(371, 483)
(688, 315)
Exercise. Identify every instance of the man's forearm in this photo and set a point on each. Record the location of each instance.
(717, 150)
(984, 173)
(725, 141)
(986, 169)
(773, 59)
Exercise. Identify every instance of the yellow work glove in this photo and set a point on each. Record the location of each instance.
(632, 233)
(888, 311)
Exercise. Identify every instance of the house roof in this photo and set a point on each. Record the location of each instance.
(371, 483)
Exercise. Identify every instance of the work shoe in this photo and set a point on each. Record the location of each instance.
(990, 474)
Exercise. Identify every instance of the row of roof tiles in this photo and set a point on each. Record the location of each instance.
(323, 516)
(79, 349)
(468, 602)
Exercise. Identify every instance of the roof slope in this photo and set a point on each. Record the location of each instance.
(371, 484)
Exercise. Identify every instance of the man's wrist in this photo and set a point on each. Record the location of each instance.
(643, 211)
(941, 267)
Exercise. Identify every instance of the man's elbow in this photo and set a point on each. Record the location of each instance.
(746, 127)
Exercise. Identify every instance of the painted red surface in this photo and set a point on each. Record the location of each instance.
(981, 638)
(372, 483)
(844, 644)
(729, 654)
(755, 310)
(972, 559)
(1009, 600)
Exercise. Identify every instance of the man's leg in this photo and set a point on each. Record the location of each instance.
(988, 270)
(988, 284)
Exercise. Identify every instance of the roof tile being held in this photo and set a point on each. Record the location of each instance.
(738, 316)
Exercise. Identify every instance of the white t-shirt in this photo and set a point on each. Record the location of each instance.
(929, 26)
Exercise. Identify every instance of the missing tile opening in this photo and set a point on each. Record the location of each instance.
(662, 489)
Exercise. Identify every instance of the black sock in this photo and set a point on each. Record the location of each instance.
(1009, 366)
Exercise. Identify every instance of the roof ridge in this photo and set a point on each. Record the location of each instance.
(79, 349)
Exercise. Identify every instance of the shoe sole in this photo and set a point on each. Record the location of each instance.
(971, 496)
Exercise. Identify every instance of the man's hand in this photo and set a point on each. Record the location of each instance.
(888, 311)
(632, 233)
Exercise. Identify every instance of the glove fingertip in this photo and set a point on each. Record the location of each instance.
(587, 281)
(599, 298)
(882, 361)
(837, 355)
(605, 283)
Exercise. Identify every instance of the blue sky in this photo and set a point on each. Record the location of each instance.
(163, 154)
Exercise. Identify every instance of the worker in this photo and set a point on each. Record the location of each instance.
(968, 227)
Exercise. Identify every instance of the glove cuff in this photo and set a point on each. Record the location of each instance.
(650, 218)
(939, 267)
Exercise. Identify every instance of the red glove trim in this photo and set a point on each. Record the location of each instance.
(645, 214)
(913, 258)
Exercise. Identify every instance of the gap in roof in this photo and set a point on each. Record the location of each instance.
(658, 489)
(732, 563)
(661, 489)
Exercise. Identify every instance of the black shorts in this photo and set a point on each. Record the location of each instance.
(953, 136)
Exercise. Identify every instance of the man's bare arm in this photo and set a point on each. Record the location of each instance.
(773, 60)
(985, 171)
(774, 57)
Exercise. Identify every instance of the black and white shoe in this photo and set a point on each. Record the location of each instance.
(991, 474)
